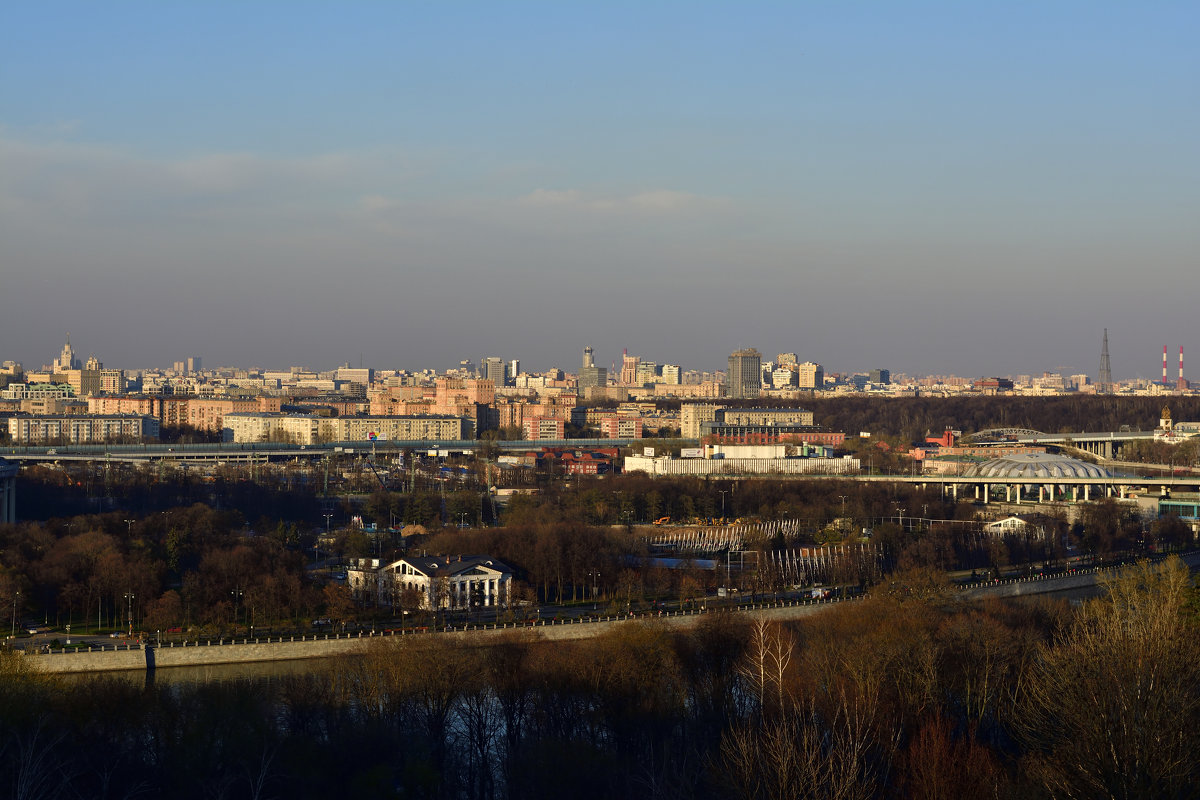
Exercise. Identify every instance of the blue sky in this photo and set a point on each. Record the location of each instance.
(946, 187)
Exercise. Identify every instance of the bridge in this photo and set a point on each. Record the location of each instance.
(276, 451)
(1104, 445)
(1018, 490)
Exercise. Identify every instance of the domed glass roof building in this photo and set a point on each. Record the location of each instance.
(1037, 465)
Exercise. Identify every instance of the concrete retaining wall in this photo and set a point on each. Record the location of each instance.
(290, 649)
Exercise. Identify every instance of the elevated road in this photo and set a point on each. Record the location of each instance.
(275, 451)
(1104, 444)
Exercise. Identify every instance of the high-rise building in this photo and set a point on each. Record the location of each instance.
(629, 365)
(493, 370)
(744, 379)
(671, 374)
(193, 365)
(783, 378)
(514, 369)
(590, 375)
(810, 375)
(881, 377)
(647, 372)
(67, 359)
(785, 359)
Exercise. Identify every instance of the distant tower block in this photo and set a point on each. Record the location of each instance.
(1105, 381)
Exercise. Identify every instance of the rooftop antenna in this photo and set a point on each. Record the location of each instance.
(1105, 368)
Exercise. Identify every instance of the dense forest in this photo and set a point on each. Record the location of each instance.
(909, 693)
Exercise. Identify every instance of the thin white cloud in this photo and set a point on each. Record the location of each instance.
(657, 201)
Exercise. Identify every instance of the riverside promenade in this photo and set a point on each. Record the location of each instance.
(112, 658)
(143, 657)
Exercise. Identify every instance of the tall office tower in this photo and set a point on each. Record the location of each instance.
(810, 375)
(193, 365)
(647, 372)
(744, 379)
(514, 369)
(671, 374)
(1105, 381)
(590, 375)
(629, 365)
(493, 370)
(881, 377)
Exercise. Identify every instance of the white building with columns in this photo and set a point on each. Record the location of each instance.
(439, 582)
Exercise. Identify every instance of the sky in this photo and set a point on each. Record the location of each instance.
(928, 187)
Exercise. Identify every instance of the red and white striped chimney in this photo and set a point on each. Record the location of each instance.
(1182, 383)
(1164, 365)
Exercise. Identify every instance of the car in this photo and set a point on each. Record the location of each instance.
(316, 623)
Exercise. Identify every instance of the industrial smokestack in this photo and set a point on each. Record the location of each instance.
(1182, 383)
(1164, 365)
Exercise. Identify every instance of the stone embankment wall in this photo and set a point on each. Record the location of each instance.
(139, 657)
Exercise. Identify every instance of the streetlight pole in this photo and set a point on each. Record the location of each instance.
(595, 575)
(129, 602)
(129, 526)
(13, 633)
(722, 492)
(236, 594)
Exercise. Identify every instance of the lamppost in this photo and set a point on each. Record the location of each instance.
(129, 605)
(722, 492)
(129, 526)
(236, 594)
(13, 633)
(462, 519)
(595, 575)
(843, 508)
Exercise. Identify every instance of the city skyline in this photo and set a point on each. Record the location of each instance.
(192, 364)
(932, 189)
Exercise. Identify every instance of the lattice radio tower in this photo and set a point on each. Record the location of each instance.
(1105, 368)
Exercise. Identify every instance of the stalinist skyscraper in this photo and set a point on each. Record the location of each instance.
(67, 360)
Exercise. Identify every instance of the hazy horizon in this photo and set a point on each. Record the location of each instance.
(929, 188)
